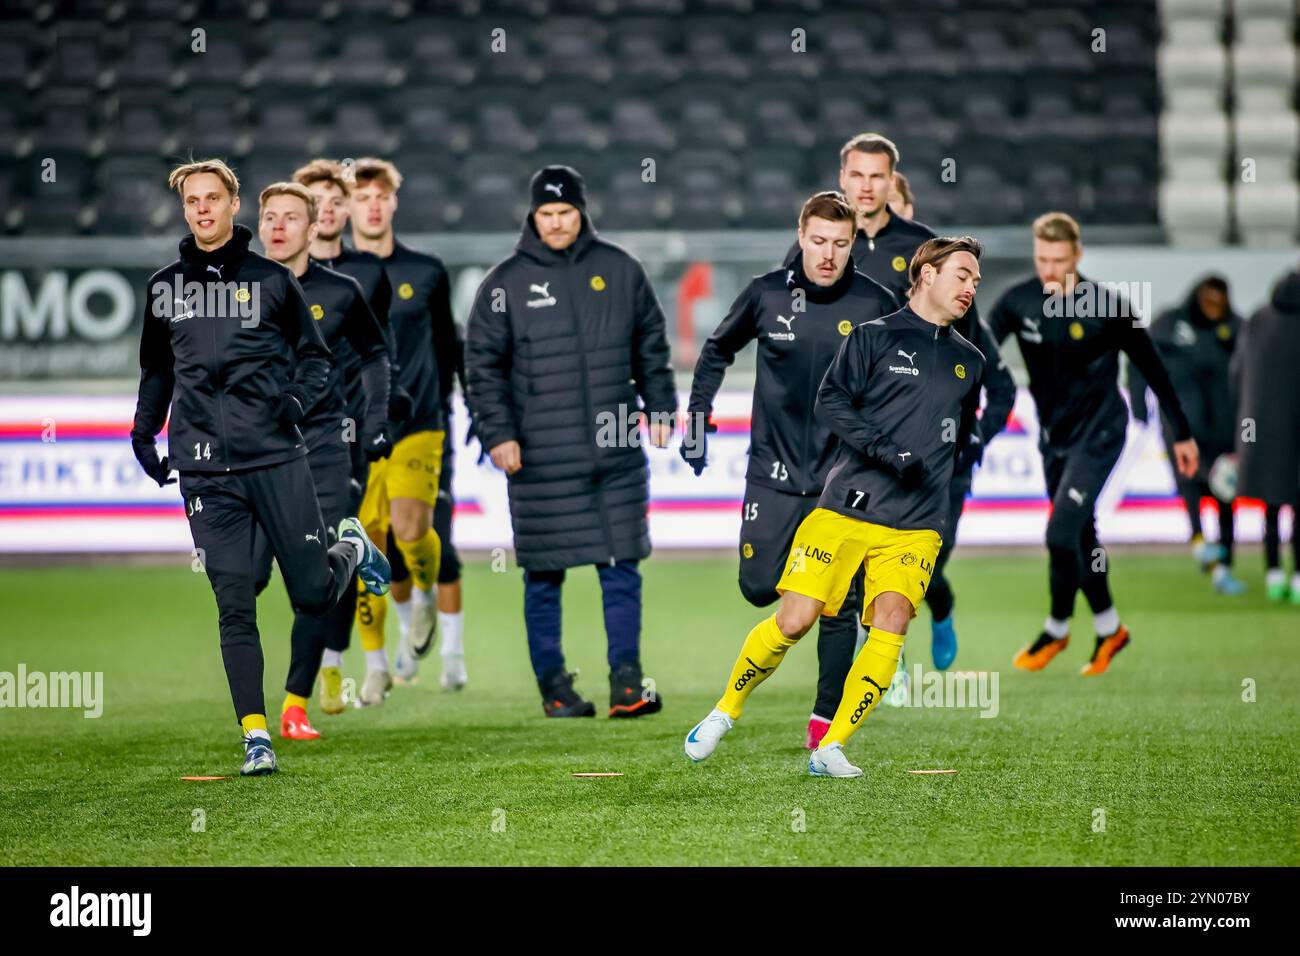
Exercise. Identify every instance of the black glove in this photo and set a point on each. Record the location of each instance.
(971, 455)
(399, 404)
(289, 410)
(471, 436)
(146, 453)
(695, 444)
(910, 470)
(379, 446)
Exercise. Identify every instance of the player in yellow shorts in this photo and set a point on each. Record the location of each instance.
(401, 491)
(902, 396)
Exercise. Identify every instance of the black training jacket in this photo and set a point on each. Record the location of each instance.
(1197, 354)
(999, 384)
(798, 335)
(358, 379)
(900, 389)
(222, 354)
(368, 270)
(886, 255)
(1071, 348)
(424, 335)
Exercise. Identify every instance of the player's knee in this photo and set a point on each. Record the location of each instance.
(236, 607)
(796, 615)
(312, 599)
(892, 612)
(1063, 534)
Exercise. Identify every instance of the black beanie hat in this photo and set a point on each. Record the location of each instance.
(557, 184)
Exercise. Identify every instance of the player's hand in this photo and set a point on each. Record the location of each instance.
(972, 454)
(146, 453)
(909, 470)
(660, 433)
(1187, 457)
(379, 446)
(289, 410)
(506, 456)
(695, 448)
(399, 404)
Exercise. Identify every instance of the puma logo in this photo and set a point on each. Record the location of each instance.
(542, 290)
(313, 537)
(786, 322)
(1031, 332)
(911, 359)
(904, 455)
(557, 188)
(216, 269)
(1076, 495)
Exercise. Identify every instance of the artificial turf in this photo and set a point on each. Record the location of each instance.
(1158, 762)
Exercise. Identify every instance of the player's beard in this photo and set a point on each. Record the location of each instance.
(323, 236)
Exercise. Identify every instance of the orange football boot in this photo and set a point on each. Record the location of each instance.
(1036, 656)
(1107, 647)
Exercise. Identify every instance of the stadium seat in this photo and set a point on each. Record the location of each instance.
(638, 123)
(1194, 213)
(150, 59)
(57, 207)
(218, 125)
(709, 53)
(357, 129)
(281, 125)
(438, 54)
(69, 120)
(1268, 213)
(143, 124)
(363, 60)
(135, 198)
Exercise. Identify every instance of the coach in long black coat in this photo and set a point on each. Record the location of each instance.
(564, 349)
(1268, 437)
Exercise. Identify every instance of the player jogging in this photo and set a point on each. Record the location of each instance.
(1071, 331)
(359, 363)
(884, 242)
(331, 185)
(902, 396)
(402, 491)
(799, 315)
(230, 346)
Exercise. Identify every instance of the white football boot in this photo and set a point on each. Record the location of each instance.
(829, 761)
(406, 666)
(375, 688)
(424, 621)
(453, 671)
(704, 736)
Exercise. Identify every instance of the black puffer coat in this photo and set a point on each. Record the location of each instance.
(1266, 361)
(562, 350)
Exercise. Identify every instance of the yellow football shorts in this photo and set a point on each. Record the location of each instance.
(828, 548)
(412, 471)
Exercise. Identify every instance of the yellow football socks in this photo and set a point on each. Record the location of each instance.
(422, 556)
(254, 722)
(764, 648)
(372, 611)
(293, 700)
(868, 679)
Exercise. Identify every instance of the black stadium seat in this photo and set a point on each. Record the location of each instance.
(741, 128)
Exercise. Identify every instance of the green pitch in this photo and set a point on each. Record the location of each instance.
(1160, 761)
